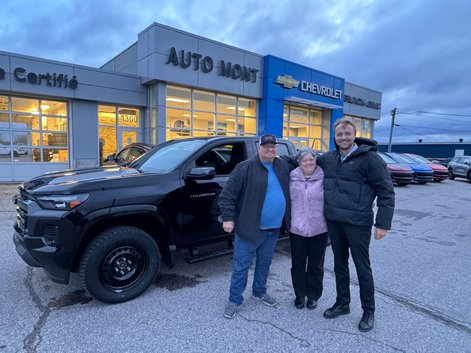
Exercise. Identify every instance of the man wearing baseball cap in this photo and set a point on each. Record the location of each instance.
(253, 203)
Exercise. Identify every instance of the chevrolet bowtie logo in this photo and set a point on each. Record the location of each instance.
(287, 81)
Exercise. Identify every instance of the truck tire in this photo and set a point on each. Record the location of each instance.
(119, 264)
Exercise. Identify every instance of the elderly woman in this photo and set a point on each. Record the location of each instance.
(308, 231)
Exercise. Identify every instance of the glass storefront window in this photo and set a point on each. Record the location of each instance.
(304, 126)
(363, 126)
(27, 122)
(32, 125)
(247, 107)
(315, 117)
(247, 126)
(108, 141)
(4, 103)
(128, 117)
(56, 124)
(226, 105)
(25, 105)
(208, 114)
(204, 101)
(117, 128)
(299, 115)
(203, 121)
(106, 115)
(5, 137)
(53, 108)
(54, 139)
(22, 138)
(178, 97)
(4, 120)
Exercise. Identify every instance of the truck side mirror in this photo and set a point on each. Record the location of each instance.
(110, 158)
(201, 173)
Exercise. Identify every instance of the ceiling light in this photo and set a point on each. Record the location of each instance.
(177, 100)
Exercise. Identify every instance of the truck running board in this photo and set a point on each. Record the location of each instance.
(195, 257)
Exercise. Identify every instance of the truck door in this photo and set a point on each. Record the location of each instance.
(199, 218)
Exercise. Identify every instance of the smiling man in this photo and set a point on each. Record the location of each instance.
(354, 176)
(253, 203)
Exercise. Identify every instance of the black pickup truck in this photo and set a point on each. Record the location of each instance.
(115, 225)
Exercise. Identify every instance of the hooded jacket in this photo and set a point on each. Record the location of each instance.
(351, 186)
(307, 203)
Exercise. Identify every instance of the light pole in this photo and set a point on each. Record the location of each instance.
(393, 116)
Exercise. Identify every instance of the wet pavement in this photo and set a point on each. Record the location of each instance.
(422, 280)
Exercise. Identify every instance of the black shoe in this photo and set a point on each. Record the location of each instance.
(367, 321)
(299, 303)
(311, 304)
(336, 311)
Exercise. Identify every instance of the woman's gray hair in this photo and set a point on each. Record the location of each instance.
(304, 151)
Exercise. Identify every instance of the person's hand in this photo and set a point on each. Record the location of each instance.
(380, 233)
(228, 226)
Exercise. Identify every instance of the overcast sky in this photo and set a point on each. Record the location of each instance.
(416, 52)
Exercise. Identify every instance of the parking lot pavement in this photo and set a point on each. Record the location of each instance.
(422, 281)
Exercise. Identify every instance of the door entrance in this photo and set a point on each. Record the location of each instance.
(126, 136)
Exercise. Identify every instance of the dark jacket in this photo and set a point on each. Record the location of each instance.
(242, 198)
(350, 187)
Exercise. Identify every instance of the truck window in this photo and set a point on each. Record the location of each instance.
(222, 158)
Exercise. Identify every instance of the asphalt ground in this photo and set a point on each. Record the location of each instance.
(422, 280)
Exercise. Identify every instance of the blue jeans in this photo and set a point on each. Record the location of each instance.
(244, 251)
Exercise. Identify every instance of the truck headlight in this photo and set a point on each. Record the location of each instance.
(59, 202)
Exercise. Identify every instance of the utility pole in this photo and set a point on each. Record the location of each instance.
(393, 116)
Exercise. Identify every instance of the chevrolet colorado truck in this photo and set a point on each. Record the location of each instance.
(115, 225)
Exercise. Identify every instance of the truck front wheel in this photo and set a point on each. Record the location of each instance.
(119, 264)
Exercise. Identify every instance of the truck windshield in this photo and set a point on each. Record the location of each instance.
(167, 157)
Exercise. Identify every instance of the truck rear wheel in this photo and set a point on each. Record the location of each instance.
(119, 264)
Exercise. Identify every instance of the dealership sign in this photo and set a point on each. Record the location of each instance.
(289, 82)
(362, 102)
(54, 79)
(227, 69)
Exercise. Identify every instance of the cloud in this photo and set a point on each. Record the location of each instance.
(415, 52)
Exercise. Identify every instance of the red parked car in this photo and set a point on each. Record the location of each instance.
(400, 174)
(440, 172)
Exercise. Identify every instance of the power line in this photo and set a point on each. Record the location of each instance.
(450, 117)
(431, 128)
(463, 115)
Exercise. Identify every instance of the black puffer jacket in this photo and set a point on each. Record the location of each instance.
(350, 187)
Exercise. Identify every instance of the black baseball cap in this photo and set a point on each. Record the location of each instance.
(267, 138)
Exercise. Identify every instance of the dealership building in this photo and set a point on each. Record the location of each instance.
(169, 84)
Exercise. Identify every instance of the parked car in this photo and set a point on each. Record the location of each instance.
(400, 174)
(5, 152)
(128, 154)
(460, 166)
(440, 172)
(422, 173)
(442, 161)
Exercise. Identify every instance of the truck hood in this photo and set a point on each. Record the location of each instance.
(68, 177)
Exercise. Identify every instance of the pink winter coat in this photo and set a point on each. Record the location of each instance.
(307, 203)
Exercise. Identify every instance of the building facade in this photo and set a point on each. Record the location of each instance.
(169, 84)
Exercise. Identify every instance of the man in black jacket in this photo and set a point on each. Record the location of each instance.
(253, 203)
(354, 175)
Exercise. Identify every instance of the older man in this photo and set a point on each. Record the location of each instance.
(354, 176)
(254, 202)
